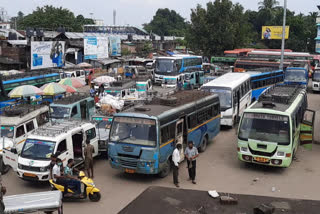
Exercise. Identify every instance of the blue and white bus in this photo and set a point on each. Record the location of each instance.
(296, 76)
(261, 80)
(142, 139)
(168, 70)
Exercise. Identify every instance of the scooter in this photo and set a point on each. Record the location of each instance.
(89, 190)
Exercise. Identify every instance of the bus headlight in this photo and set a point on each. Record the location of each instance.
(244, 149)
(281, 154)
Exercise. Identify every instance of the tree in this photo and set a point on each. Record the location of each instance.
(166, 23)
(268, 4)
(50, 18)
(222, 25)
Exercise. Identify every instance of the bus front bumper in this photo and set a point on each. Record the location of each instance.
(270, 161)
(131, 165)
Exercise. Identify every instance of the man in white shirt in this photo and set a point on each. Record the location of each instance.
(175, 160)
(57, 177)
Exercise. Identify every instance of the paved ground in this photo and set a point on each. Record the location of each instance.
(181, 201)
(218, 168)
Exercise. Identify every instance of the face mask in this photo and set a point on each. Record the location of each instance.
(59, 164)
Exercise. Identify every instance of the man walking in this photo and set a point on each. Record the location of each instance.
(88, 159)
(176, 160)
(191, 154)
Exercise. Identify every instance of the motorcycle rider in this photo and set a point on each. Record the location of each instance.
(70, 179)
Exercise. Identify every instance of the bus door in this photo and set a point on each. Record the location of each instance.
(197, 78)
(179, 137)
(84, 110)
(307, 129)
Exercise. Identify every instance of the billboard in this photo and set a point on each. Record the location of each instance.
(47, 54)
(95, 47)
(318, 46)
(115, 46)
(274, 32)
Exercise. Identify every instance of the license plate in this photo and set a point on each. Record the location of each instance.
(130, 171)
(261, 160)
(29, 174)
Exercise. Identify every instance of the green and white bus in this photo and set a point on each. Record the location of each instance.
(270, 129)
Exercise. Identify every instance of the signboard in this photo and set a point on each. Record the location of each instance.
(318, 46)
(47, 54)
(95, 47)
(115, 46)
(273, 32)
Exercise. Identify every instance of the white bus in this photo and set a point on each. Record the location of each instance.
(234, 90)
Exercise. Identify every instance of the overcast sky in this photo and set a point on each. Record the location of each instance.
(136, 12)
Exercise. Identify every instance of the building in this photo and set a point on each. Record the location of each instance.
(5, 25)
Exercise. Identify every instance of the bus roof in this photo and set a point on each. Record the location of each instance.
(279, 97)
(71, 99)
(279, 53)
(229, 80)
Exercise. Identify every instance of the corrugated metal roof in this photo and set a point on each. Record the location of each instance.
(106, 61)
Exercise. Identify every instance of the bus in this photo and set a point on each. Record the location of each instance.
(269, 130)
(174, 67)
(230, 56)
(261, 80)
(142, 139)
(246, 64)
(276, 55)
(297, 74)
(234, 90)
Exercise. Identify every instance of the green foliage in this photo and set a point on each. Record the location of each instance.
(50, 18)
(222, 25)
(125, 52)
(167, 23)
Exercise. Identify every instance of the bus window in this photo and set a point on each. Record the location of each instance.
(30, 126)
(168, 133)
(192, 121)
(20, 131)
(74, 111)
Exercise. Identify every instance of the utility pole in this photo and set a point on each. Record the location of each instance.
(283, 33)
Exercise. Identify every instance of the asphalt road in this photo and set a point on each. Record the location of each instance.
(217, 169)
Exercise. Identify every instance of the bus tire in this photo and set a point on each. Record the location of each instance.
(165, 170)
(204, 144)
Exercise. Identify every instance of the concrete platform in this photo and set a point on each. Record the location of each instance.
(159, 200)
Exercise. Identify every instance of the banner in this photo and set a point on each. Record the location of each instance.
(95, 47)
(318, 46)
(274, 32)
(115, 46)
(47, 54)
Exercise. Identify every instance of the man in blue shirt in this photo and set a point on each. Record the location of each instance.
(191, 154)
(71, 180)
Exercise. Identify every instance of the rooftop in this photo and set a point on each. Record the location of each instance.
(72, 99)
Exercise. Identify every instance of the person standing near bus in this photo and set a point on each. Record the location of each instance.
(88, 159)
(176, 160)
(191, 154)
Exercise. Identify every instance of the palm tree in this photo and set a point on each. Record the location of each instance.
(268, 4)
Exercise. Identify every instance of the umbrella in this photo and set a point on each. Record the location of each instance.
(74, 82)
(69, 89)
(103, 79)
(25, 91)
(84, 65)
(53, 89)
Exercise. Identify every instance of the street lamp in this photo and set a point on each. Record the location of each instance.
(283, 33)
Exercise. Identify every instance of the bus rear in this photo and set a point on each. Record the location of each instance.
(296, 76)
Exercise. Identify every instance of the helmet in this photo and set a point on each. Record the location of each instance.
(81, 174)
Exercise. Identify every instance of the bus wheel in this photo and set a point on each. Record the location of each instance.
(204, 144)
(165, 170)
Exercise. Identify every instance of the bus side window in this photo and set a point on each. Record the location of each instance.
(192, 121)
(168, 133)
(74, 111)
(91, 104)
(30, 126)
(20, 131)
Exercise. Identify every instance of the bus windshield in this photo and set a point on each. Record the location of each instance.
(316, 76)
(224, 96)
(265, 127)
(59, 112)
(164, 66)
(295, 75)
(7, 131)
(37, 149)
(136, 131)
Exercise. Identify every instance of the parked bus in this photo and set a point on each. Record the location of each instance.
(142, 139)
(316, 80)
(246, 64)
(76, 106)
(174, 67)
(269, 130)
(230, 56)
(234, 90)
(276, 55)
(7, 83)
(260, 81)
(299, 74)
(193, 80)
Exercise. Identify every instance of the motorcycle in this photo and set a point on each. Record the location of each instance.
(89, 190)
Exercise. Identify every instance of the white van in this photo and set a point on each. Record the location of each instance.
(17, 122)
(67, 138)
(78, 73)
(316, 80)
